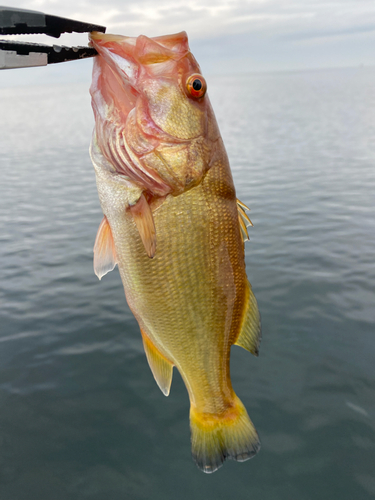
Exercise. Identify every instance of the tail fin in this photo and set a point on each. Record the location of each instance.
(215, 438)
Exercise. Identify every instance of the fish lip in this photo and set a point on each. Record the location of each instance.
(126, 68)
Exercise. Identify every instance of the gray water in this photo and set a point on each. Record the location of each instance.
(80, 414)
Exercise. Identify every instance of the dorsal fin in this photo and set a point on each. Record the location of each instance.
(144, 220)
(244, 233)
(243, 220)
(105, 258)
(251, 331)
(161, 367)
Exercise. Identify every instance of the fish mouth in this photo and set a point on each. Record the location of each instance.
(126, 55)
(145, 49)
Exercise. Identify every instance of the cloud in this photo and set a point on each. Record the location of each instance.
(241, 34)
(333, 32)
(211, 18)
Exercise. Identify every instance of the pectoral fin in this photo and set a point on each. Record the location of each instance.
(251, 332)
(144, 220)
(105, 258)
(160, 366)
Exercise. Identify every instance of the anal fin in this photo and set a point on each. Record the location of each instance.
(144, 221)
(105, 258)
(251, 331)
(161, 367)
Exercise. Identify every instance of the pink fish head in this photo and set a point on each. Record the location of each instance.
(154, 122)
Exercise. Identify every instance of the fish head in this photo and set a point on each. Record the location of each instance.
(154, 122)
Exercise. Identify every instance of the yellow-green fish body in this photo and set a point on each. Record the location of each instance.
(177, 235)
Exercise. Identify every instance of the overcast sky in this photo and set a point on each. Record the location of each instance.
(239, 36)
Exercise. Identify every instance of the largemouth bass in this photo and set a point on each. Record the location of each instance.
(175, 229)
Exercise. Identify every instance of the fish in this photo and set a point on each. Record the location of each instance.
(175, 229)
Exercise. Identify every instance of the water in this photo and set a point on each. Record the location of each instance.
(80, 414)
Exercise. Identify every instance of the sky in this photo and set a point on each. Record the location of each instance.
(236, 36)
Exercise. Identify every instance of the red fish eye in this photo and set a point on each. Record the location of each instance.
(196, 86)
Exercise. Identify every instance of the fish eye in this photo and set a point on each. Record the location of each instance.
(196, 86)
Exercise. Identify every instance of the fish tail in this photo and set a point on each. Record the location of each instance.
(215, 438)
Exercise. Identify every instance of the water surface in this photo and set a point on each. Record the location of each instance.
(80, 414)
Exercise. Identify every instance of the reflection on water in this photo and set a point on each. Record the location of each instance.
(81, 416)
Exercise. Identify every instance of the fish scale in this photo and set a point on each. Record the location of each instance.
(174, 292)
